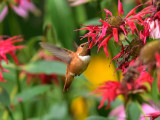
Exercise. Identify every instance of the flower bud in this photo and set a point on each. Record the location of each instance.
(147, 53)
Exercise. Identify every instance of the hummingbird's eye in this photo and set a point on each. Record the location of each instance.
(82, 45)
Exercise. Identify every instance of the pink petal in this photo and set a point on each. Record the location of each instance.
(120, 8)
(158, 60)
(20, 11)
(145, 35)
(1, 78)
(27, 5)
(115, 34)
(105, 50)
(104, 29)
(132, 26)
(3, 13)
(108, 12)
(157, 14)
(104, 42)
(132, 12)
(124, 30)
(109, 92)
(119, 54)
(14, 57)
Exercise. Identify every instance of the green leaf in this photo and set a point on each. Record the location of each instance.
(155, 91)
(80, 14)
(29, 93)
(5, 100)
(59, 14)
(47, 67)
(99, 118)
(57, 112)
(133, 111)
(4, 97)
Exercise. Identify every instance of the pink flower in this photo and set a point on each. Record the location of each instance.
(144, 77)
(24, 7)
(119, 112)
(152, 22)
(21, 7)
(114, 25)
(154, 28)
(7, 47)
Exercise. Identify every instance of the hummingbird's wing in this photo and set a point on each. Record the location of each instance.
(61, 53)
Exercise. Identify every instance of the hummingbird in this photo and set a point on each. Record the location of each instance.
(77, 62)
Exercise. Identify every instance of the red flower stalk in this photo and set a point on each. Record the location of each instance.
(113, 26)
(44, 78)
(7, 47)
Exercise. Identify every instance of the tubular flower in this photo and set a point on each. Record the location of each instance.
(20, 7)
(7, 47)
(114, 26)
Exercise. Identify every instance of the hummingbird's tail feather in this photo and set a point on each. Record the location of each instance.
(68, 82)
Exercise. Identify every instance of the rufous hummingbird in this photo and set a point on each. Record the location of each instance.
(77, 62)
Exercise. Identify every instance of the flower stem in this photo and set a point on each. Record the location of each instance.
(10, 113)
(140, 108)
(19, 91)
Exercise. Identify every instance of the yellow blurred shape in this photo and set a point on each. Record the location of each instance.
(79, 108)
(100, 71)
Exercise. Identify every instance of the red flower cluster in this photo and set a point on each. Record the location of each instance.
(7, 47)
(135, 77)
(115, 25)
(109, 91)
